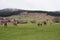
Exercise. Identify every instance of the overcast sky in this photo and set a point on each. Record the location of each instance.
(49, 5)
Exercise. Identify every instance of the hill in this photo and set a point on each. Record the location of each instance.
(9, 12)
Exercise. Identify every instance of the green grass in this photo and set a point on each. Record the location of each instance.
(30, 32)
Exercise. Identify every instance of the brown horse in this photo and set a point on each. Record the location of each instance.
(1, 22)
(5, 22)
(44, 22)
(14, 22)
(39, 24)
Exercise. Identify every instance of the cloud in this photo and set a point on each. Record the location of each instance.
(49, 5)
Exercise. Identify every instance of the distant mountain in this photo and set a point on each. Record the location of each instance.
(55, 13)
(10, 11)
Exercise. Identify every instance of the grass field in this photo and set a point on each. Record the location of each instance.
(30, 32)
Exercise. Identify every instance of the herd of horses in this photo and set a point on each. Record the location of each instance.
(6, 21)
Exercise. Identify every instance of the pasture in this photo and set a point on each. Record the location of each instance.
(30, 32)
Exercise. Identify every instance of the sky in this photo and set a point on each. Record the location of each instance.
(46, 5)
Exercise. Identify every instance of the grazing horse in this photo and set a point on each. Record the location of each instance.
(18, 22)
(39, 24)
(14, 22)
(1, 22)
(5, 23)
(45, 22)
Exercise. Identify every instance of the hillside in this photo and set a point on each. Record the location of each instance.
(10, 12)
